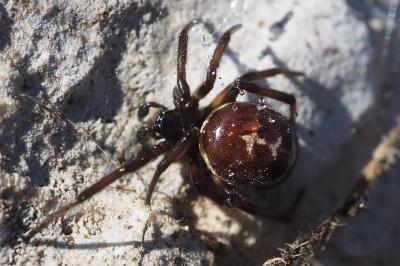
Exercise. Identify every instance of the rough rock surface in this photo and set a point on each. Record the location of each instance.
(98, 62)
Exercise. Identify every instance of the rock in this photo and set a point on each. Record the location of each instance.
(97, 63)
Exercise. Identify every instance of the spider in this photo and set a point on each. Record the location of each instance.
(232, 147)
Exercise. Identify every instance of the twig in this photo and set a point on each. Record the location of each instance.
(304, 247)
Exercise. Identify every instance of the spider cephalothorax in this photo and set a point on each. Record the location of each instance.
(231, 147)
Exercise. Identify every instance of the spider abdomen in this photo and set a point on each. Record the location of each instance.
(244, 144)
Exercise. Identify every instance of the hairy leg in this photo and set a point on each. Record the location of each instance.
(230, 197)
(173, 155)
(269, 73)
(142, 159)
(182, 92)
(230, 93)
(208, 84)
(219, 99)
(234, 199)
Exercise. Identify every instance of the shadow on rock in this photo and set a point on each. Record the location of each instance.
(99, 94)
(5, 27)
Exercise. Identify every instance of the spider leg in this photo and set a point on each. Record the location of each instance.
(223, 194)
(230, 93)
(230, 197)
(182, 92)
(204, 184)
(208, 84)
(142, 159)
(269, 73)
(237, 199)
(234, 199)
(200, 176)
(175, 153)
(145, 108)
(220, 98)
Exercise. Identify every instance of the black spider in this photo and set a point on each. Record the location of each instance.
(232, 146)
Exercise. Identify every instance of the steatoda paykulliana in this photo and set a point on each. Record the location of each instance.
(232, 147)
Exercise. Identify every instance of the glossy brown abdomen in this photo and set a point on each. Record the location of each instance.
(247, 144)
